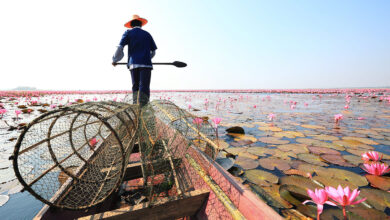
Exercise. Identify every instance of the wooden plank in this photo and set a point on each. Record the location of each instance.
(172, 208)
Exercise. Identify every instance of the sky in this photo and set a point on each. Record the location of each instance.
(252, 44)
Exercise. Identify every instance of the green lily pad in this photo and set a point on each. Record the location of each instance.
(295, 148)
(260, 151)
(246, 163)
(235, 150)
(379, 199)
(272, 163)
(271, 195)
(313, 159)
(343, 175)
(322, 150)
(273, 140)
(363, 140)
(324, 137)
(284, 155)
(260, 177)
(288, 134)
(355, 160)
(380, 182)
(318, 143)
(299, 181)
(308, 209)
(336, 159)
(326, 181)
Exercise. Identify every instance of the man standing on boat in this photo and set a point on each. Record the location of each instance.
(141, 50)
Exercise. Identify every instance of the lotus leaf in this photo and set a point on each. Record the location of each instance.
(270, 128)
(379, 199)
(311, 168)
(318, 143)
(296, 148)
(382, 129)
(367, 131)
(248, 155)
(380, 182)
(260, 151)
(322, 150)
(271, 195)
(239, 137)
(248, 125)
(272, 163)
(284, 155)
(334, 182)
(310, 132)
(343, 175)
(363, 140)
(353, 159)
(246, 163)
(273, 140)
(241, 143)
(313, 126)
(308, 209)
(336, 159)
(324, 137)
(384, 142)
(298, 172)
(260, 177)
(352, 144)
(299, 181)
(235, 150)
(366, 213)
(289, 134)
(310, 158)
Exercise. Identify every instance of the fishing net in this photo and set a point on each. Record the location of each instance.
(75, 157)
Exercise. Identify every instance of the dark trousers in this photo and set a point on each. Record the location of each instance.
(141, 84)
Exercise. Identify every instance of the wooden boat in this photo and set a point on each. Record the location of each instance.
(202, 189)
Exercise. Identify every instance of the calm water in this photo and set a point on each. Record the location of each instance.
(303, 137)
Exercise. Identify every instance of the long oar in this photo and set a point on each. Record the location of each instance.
(176, 64)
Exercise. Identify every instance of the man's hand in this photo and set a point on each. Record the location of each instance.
(114, 64)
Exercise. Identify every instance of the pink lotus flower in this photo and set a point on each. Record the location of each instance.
(271, 116)
(292, 107)
(189, 106)
(338, 118)
(319, 197)
(346, 107)
(343, 196)
(361, 118)
(371, 155)
(216, 121)
(53, 106)
(305, 104)
(17, 112)
(377, 169)
(197, 121)
(2, 112)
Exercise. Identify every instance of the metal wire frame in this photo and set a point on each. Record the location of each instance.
(59, 140)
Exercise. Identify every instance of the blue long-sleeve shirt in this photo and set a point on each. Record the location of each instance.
(141, 48)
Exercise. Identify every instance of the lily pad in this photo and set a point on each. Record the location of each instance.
(353, 144)
(270, 128)
(313, 159)
(246, 163)
(272, 163)
(235, 150)
(336, 159)
(273, 140)
(239, 137)
(380, 182)
(299, 181)
(343, 175)
(323, 137)
(313, 126)
(322, 150)
(379, 199)
(271, 195)
(318, 143)
(308, 209)
(296, 148)
(260, 177)
(355, 160)
(260, 151)
(221, 144)
(248, 155)
(363, 140)
(289, 134)
(326, 181)
(284, 155)
(298, 172)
